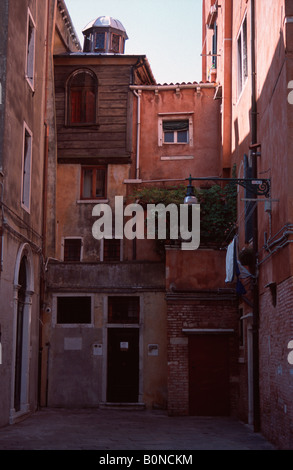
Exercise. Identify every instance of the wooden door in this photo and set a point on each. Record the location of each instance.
(123, 365)
(209, 375)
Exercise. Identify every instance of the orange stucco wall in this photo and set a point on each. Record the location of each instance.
(205, 269)
(170, 161)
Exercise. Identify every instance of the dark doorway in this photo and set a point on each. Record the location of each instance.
(22, 281)
(123, 365)
(209, 375)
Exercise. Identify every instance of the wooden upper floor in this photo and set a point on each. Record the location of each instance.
(94, 106)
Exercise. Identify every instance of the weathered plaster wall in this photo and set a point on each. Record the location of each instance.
(201, 157)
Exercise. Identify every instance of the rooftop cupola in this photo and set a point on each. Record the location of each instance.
(105, 35)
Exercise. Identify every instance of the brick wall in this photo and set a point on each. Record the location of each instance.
(200, 312)
(276, 374)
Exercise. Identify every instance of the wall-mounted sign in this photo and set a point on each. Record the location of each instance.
(97, 349)
(153, 349)
(72, 344)
(124, 345)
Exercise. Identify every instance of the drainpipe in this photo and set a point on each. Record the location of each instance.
(138, 95)
(227, 89)
(44, 204)
(255, 323)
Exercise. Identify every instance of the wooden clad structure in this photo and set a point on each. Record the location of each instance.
(101, 133)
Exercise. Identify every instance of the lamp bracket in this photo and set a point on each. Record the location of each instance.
(257, 186)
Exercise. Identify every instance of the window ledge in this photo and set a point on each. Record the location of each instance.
(178, 157)
(242, 91)
(177, 143)
(73, 325)
(92, 201)
(30, 83)
(25, 208)
(89, 125)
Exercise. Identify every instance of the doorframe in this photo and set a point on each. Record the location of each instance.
(250, 373)
(24, 250)
(106, 326)
(191, 332)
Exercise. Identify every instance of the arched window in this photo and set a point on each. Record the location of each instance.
(82, 93)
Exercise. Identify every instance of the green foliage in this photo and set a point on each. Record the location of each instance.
(218, 208)
(218, 214)
(157, 195)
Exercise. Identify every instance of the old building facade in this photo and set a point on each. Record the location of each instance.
(201, 310)
(23, 129)
(253, 75)
(90, 321)
(108, 336)
(104, 309)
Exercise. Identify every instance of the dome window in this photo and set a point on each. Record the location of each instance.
(115, 43)
(105, 35)
(100, 42)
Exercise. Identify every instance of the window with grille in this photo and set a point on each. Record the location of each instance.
(82, 94)
(111, 249)
(72, 249)
(100, 42)
(74, 309)
(123, 309)
(115, 42)
(93, 182)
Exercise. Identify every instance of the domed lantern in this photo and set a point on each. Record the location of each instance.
(105, 35)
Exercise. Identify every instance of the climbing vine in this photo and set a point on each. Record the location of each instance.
(218, 208)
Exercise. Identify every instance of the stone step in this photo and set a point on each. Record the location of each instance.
(122, 406)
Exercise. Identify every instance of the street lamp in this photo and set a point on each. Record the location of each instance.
(190, 197)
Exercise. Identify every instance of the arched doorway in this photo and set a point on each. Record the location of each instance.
(23, 291)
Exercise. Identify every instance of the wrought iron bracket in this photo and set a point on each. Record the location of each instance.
(257, 186)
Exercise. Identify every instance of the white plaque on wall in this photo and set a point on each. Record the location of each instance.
(72, 344)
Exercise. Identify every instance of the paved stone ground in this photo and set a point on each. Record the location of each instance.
(97, 429)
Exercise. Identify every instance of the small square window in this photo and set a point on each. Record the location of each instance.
(93, 182)
(123, 309)
(111, 249)
(72, 249)
(176, 132)
(72, 310)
